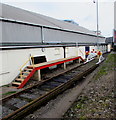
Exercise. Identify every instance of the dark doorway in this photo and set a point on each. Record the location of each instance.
(86, 51)
(41, 59)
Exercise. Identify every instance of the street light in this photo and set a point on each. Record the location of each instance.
(96, 1)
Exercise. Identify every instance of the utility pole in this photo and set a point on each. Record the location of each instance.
(97, 16)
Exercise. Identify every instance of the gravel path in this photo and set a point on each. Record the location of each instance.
(97, 100)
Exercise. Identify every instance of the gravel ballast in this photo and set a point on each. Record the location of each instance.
(97, 100)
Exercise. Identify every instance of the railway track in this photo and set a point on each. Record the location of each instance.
(24, 102)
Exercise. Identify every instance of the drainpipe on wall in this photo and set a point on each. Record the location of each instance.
(42, 35)
(64, 56)
(30, 62)
(64, 52)
(42, 38)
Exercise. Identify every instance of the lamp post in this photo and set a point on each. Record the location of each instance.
(96, 1)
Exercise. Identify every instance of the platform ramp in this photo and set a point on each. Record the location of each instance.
(29, 71)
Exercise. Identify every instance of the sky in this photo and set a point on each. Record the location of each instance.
(81, 11)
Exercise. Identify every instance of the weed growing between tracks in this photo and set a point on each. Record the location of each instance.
(97, 99)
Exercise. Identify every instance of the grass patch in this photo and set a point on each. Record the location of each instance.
(83, 118)
(111, 58)
(81, 103)
(101, 72)
(9, 93)
(108, 65)
(111, 61)
(79, 106)
(5, 85)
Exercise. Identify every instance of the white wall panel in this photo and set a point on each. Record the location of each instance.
(71, 51)
(12, 60)
(54, 53)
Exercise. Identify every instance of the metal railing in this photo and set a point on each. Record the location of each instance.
(81, 52)
(31, 58)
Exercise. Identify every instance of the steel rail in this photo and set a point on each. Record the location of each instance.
(40, 83)
(26, 109)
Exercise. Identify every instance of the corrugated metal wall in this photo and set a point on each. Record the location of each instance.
(0, 31)
(51, 35)
(13, 32)
(19, 33)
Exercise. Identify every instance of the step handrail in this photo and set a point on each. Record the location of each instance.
(81, 52)
(48, 64)
(21, 68)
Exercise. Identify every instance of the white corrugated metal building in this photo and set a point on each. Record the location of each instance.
(19, 24)
(26, 33)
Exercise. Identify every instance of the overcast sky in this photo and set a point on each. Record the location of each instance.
(81, 11)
